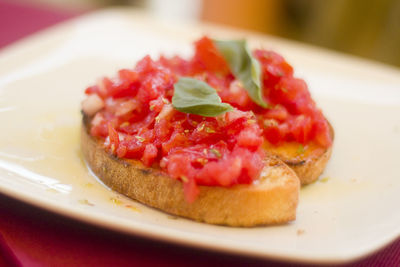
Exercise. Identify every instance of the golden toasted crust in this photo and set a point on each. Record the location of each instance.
(309, 164)
(271, 200)
(309, 169)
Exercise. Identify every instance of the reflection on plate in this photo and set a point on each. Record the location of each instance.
(349, 213)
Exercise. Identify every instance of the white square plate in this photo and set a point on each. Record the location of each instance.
(351, 212)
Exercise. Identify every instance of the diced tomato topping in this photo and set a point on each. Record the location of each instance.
(127, 84)
(139, 122)
(114, 138)
(149, 154)
(208, 58)
(274, 67)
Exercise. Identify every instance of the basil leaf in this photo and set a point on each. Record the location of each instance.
(197, 97)
(244, 66)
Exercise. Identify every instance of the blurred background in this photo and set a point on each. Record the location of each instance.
(366, 28)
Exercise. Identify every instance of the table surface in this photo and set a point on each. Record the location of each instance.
(30, 236)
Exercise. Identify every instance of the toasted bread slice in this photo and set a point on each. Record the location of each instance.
(272, 199)
(307, 161)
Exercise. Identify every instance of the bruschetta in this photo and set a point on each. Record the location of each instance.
(225, 137)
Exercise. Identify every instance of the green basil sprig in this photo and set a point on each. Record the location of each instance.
(197, 97)
(244, 66)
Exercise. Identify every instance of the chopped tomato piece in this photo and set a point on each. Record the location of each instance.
(207, 57)
(114, 138)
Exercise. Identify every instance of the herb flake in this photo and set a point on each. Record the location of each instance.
(216, 152)
(300, 149)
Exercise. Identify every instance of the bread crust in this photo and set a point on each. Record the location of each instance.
(272, 199)
(309, 169)
(310, 164)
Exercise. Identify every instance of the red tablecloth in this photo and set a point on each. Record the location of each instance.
(30, 236)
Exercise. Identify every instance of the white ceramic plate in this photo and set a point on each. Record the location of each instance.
(353, 212)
